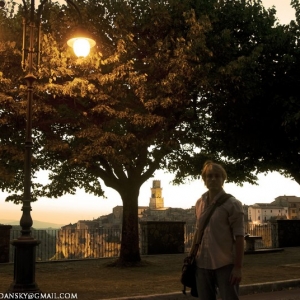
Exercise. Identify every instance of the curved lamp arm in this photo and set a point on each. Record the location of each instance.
(80, 43)
(71, 3)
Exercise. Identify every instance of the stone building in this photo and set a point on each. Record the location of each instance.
(156, 211)
(282, 208)
(89, 238)
(260, 213)
(156, 200)
(293, 204)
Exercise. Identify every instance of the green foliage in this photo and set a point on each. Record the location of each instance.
(169, 85)
(118, 114)
(255, 110)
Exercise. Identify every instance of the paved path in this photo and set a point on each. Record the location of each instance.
(278, 290)
(291, 294)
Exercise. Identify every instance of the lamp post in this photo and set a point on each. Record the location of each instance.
(25, 245)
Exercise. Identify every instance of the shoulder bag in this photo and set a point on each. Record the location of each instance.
(188, 278)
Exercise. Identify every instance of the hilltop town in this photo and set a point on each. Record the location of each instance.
(101, 237)
(283, 207)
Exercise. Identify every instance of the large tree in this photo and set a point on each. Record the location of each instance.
(147, 98)
(255, 117)
(116, 115)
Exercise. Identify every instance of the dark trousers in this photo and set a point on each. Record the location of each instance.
(210, 281)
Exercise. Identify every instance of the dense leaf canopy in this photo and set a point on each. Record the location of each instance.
(169, 85)
(256, 115)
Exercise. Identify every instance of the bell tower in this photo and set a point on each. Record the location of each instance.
(156, 201)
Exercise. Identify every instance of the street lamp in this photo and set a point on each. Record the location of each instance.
(25, 245)
(81, 42)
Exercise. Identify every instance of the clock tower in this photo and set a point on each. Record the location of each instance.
(156, 200)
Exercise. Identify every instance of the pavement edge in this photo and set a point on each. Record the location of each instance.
(244, 290)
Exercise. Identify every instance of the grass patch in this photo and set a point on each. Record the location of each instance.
(98, 279)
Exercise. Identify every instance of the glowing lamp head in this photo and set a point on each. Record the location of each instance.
(81, 45)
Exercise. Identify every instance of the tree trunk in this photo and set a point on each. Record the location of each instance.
(130, 252)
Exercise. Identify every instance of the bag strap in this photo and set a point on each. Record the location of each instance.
(218, 203)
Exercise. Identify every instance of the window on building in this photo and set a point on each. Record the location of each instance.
(258, 218)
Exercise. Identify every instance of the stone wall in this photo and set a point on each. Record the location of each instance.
(162, 237)
(288, 233)
(4, 243)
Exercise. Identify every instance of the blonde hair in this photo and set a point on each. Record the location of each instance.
(210, 164)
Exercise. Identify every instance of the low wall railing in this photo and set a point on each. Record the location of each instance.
(67, 244)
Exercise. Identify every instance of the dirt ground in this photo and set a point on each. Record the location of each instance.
(95, 279)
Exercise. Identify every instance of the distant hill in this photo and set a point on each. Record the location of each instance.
(36, 224)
